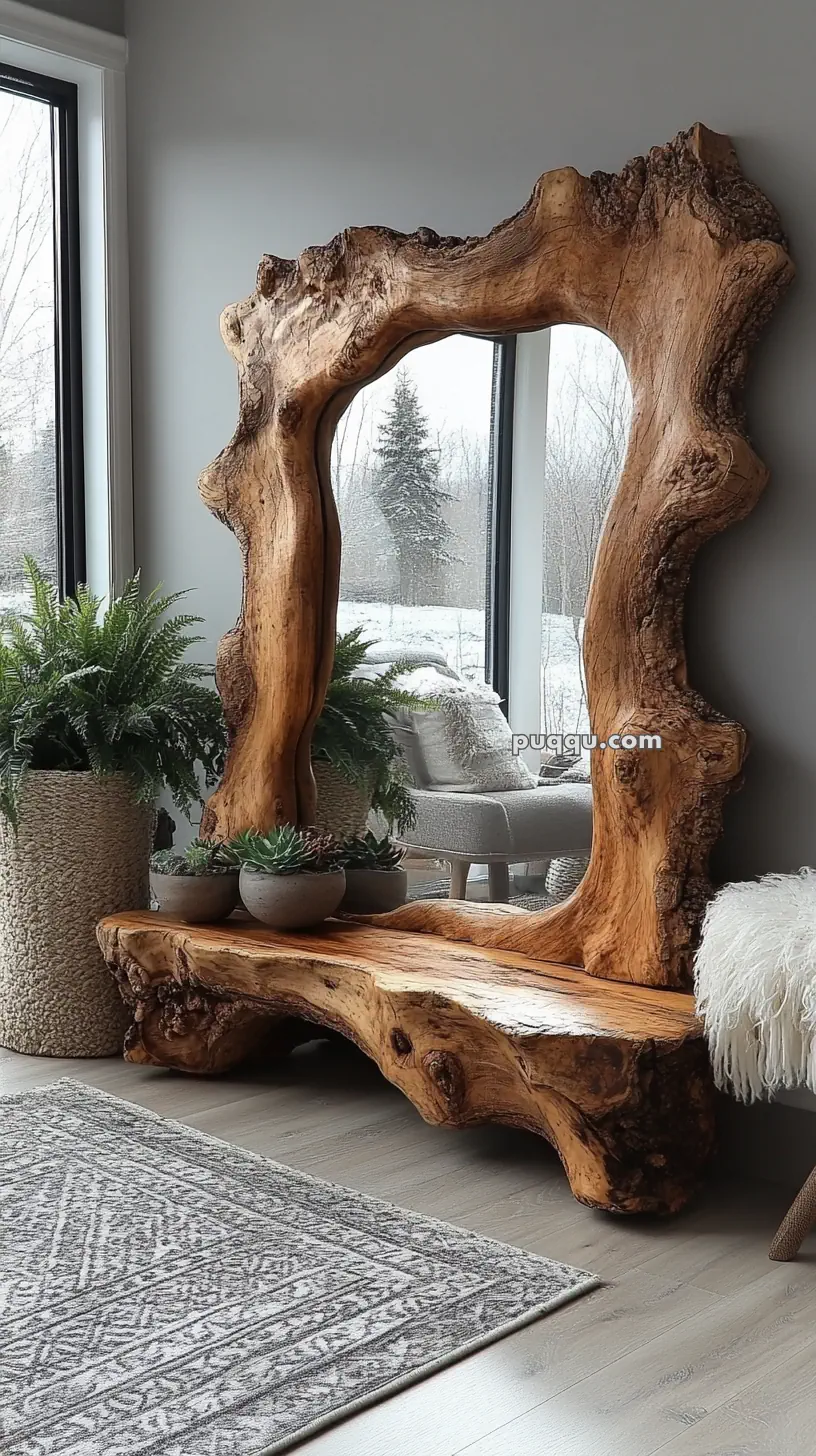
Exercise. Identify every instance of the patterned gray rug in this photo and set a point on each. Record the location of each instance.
(164, 1292)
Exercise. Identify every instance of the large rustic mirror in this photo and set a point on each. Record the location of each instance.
(666, 272)
(674, 263)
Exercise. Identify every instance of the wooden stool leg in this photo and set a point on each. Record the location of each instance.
(796, 1224)
(460, 869)
(498, 880)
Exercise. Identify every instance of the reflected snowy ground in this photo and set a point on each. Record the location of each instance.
(459, 634)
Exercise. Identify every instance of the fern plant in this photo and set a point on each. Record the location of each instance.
(82, 690)
(353, 733)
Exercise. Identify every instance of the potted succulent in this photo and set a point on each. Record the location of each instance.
(290, 878)
(198, 884)
(99, 711)
(375, 878)
(357, 762)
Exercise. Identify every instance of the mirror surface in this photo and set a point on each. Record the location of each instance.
(411, 469)
(461, 489)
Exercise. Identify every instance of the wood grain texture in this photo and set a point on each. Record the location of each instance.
(635, 1406)
(770, 1416)
(615, 1077)
(680, 260)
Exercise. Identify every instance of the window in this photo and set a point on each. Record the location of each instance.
(415, 462)
(41, 466)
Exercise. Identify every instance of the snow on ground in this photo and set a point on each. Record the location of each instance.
(13, 601)
(459, 634)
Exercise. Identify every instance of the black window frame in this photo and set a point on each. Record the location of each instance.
(497, 626)
(61, 96)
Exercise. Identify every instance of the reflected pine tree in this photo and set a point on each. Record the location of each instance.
(410, 496)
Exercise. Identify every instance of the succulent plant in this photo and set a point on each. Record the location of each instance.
(286, 851)
(367, 852)
(201, 857)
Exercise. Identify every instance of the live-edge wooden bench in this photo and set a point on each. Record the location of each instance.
(614, 1075)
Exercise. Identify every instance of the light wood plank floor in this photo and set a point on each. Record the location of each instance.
(696, 1346)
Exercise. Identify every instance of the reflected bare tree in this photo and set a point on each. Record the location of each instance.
(364, 569)
(588, 421)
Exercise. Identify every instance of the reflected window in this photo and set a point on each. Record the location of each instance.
(422, 482)
(589, 409)
(412, 469)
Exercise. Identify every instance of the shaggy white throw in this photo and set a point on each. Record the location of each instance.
(755, 979)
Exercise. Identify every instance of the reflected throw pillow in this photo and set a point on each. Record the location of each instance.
(464, 745)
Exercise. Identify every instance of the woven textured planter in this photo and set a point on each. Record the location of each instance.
(81, 852)
(565, 875)
(342, 807)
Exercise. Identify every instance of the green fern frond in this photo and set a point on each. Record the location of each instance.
(353, 732)
(107, 692)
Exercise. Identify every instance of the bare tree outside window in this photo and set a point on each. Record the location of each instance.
(28, 469)
(41, 455)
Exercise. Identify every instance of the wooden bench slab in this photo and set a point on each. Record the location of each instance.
(615, 1076)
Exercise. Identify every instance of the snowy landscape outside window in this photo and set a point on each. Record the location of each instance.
(40, 366)
(412, 468)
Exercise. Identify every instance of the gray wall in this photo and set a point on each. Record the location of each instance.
(260, 127)
(104, 14)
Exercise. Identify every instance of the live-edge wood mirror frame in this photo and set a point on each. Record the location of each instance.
(680, 260)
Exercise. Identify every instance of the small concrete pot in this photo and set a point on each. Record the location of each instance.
(292, 902)
(199, 899)
(372, 891)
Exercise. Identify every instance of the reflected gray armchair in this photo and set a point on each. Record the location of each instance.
(500, 829)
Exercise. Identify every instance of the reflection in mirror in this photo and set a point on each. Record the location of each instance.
(411, 468)
(589, 407)
(420, 476)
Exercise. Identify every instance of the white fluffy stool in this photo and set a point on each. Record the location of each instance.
(755, 981)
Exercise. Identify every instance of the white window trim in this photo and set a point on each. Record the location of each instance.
(95, 62)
